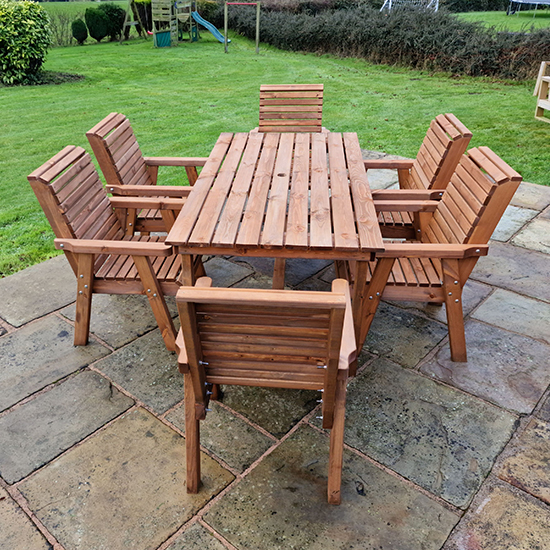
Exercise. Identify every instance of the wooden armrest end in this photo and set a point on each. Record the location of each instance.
(183, 362)
(149, 190)
(175, 161)
(429, 250)
(405, 206)
(407, 194)
(388, 164)
(147, 202)
(129, 248)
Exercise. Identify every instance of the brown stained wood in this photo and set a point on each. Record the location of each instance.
(452, 291)
(85, 276)
(192, 438)
(279, 274)
(320, 216)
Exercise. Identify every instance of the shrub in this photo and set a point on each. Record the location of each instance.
(144, 9)
(24, 40)
(459, 6)
(79, 30)
(60, 26)
(97, 23)
(115, 15)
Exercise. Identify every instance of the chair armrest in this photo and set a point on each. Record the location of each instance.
(405, 206)
(147, 202)
(406, 194)
(149, 190)
(348, 348)
(396, 164)
(429, 250)
(183, 361)
(129, 248)
(175, 161)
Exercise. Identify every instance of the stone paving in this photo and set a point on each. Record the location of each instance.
(439, 455)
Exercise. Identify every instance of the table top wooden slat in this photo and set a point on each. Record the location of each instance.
(297, 220)
(343, 219)
(320, 222)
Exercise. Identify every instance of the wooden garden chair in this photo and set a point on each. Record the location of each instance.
(103, 258)
(291, 108)
(267, 338)
(445, 142)
(128, 172)
(454, 234)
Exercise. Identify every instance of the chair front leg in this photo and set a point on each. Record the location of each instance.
(453, 301)
(84, 289)
(192, 438)
(192, 174)
(154, 293)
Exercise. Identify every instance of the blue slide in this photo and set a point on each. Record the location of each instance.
(209, 26)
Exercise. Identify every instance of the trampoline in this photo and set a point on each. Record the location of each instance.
(515, 5)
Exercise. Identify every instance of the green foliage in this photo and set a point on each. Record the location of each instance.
(144, 9)
(97, 23)
(79, 31)
(24, 40)
(421, 39)
(115, 15)
(460, 6)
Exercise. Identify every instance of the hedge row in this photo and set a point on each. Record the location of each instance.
(414, 38)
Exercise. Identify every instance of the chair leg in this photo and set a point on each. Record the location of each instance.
(156, 299)
(84, 290)
(336, 453)
(453, 304)
(279, 274)
(192, 438)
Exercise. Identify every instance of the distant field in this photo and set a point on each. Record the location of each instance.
(520, 21)
(74, 8)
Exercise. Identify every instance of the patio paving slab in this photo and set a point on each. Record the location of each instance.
(531, 195)
(442, 439)
(517, 313)
(224, 272)
(38, 431)
(502, 517)
(147, 370)
(535, 235)
(119, 319)
(282, 504)
(505, 368)
(275, 410)
(227, 436)
(513, 219)
(37, 291)
(527, 462)
(122, 488)
(393, 330)
(39, 354)
(197, 537)
(544, 412)
(17, 532)
(515, 268)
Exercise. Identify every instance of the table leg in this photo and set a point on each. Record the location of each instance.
(187, 275)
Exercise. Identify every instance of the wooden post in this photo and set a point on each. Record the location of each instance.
(225, 25)
(257, 27)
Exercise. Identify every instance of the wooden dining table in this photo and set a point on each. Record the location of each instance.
(286, 195)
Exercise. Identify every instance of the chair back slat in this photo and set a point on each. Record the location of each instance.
(291, 108)
(117, 151)
(474, 201)
(73, 198)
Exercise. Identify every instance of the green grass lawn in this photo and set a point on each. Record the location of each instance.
(520, 21)
(76, 8)
(180, 99)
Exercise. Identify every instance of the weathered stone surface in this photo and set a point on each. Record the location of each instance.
(257, 280)
(17, 531)
(38, 355)
(512, 221)
(296, 270)
(36, 291)
(504, 368)
(502, 518)
(530, 195)
(38, 431)
(545, 215)
(473, 294)
(282, 504)
(517, 313)
(197, 538)
(535, 235)
(227, 436)
(275, 410)
(442, 439)
(515, 268)
(119, 319)
(544, 412)
(225, 273)
(402, 336)
(147, 370)
(527, 464)
(122, 488)
(382, 179)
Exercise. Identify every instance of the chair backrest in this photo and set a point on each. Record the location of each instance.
(291, 108)
(117, 152)
(445, 142)
(269, 338)
(476, 197)
(73, 198)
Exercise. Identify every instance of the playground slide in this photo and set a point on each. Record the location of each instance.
(209, 26)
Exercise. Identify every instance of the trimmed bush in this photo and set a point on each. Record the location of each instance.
(460, 6)
(97, 23)
(79, 30)
(24, 40)
(115, 15)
